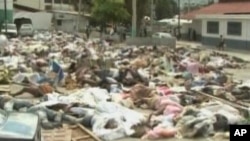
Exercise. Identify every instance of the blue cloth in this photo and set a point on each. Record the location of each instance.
(187, 75)
(199, 83)
(56, 68)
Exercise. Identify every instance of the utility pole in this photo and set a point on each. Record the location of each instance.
(5, 15)
(79, 14)
(134, 18)
(179, 19)
(152, 15)
(188, 6)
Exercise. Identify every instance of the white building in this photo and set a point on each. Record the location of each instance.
(194, 2)
(63, 17)
(45, 4)
(39, 20)
(70, 21)
(234, 28)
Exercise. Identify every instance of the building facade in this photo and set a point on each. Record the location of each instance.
(46, 5)
(190, 3)
(64, 18)
(234, 28)
(70, 21)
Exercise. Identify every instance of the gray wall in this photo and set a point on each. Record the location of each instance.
(69, 21)
(148, 41)
(230, 43)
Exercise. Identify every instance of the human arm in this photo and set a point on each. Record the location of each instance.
(156, 113)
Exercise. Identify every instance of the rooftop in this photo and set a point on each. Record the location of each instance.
(69, 12)
(221, 8)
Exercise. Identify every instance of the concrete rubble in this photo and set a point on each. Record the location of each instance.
(111, 89)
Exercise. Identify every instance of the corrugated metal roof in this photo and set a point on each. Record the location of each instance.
(221, 8)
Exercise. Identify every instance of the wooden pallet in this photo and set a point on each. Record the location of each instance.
(5, 88)
(80, 133)
(56, 135)
(69, 133)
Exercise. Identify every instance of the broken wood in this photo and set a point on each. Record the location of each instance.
(223, 101)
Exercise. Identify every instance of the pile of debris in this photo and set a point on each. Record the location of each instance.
(94, 85)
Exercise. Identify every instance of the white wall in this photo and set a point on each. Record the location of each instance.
(40, 4)
(36, 4)
(69, 21)
(40, 20)
(9, 4)
(223, 29)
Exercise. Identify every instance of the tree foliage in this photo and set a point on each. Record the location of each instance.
(165, 9)
(109, 11)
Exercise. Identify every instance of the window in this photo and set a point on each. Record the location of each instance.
(234, 28)
(59, 22)
(48, 7)
(48, 1)
(57, 1)
(213, 27)
(65, 1)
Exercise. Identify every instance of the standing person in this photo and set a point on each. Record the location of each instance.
(112, 31)
(123, 33)
(221, 43)
(88, 31)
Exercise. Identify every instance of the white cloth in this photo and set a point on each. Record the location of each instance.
(90, 96)
(125, 117)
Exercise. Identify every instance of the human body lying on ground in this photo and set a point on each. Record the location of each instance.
(109, 122)
(36, 90)
(193, 122)
(49, 119)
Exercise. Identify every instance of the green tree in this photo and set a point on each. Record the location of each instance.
(109, 11)
(165, 9)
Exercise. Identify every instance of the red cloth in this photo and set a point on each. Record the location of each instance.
(171, 107)
(159, 132)
(164, 90)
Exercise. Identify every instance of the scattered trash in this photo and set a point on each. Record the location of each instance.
(82, 90)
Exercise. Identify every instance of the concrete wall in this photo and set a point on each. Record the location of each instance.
(40, 20)
(148, 41)
(69, 22)
(36, 4)
(40, 4)
(195, 25)
(236, 42)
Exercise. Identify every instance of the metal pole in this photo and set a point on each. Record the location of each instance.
(79, 14)
(134, 19)
(179, 19)
(5, 15)
(152, 15)
(61, 2)
(188, 6)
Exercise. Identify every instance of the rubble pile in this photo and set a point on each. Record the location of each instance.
(101, 87)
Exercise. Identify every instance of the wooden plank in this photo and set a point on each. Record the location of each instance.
(90, 133)
(223, 101)
(5, 88)
(56, 135)
(86, 134)
(83, 137)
